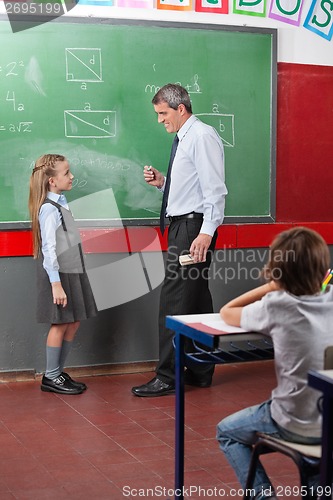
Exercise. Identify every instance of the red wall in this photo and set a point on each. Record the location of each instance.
(304, 143)
(304, 172)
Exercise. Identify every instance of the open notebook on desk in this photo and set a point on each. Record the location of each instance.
(211, 323)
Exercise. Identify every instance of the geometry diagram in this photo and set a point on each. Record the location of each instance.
(224, 124)
(90, 124)
(84, 65)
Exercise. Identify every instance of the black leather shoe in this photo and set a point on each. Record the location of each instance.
(79, 385)
(153, 389)
(195, 380)
(59, 385)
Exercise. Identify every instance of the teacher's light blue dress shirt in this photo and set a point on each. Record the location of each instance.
(197, 178)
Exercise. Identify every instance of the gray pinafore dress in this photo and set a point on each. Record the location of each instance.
(80, 300)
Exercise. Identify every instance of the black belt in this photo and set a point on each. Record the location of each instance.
(192, 215)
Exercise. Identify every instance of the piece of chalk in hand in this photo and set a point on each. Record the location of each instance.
(148, 168)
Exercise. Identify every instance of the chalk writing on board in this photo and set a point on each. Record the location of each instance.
(11, 68)
(90, 124)
(20, 127)
(79, 184)
(223, 123)
(101, 162)
(84, 65)
(192, 88)
(11, 98)
(82, 160)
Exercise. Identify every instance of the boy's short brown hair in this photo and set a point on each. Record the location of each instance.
(298, 261)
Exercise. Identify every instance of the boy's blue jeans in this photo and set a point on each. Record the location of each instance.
(237, 433)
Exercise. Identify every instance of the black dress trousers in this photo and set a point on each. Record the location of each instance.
(184, 291)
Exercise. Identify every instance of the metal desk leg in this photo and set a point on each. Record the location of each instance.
(327, 448)
(180, 419)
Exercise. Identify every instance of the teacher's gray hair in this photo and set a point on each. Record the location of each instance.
(174, 95)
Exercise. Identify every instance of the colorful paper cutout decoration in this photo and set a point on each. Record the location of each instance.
(174, 4)
(214, 6)
(287, 11)
(320, 19)
(98, 3)
(250, 7)
(136, 4)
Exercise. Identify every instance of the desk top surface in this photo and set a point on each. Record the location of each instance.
(212, 331)
(327, 374)
(211, 323)
(321, 380)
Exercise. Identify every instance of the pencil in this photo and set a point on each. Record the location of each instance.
(327, 279)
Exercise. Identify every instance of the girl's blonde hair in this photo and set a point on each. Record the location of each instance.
(45, 167)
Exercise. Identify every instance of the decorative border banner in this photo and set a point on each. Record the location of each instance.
(320, 20)
(99, 3)
(287, 11)
(136, 4)
(250, 8)
(174, 4)
(213, 6)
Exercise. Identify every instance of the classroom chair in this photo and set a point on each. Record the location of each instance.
(306, 457)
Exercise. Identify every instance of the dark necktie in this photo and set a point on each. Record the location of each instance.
(167, 183)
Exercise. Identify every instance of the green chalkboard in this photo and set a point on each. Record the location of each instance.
(84, 89)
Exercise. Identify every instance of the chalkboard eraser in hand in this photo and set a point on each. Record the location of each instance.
(185, 260)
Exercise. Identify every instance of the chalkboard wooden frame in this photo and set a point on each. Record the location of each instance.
(186, 28)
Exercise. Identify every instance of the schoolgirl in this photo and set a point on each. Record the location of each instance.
(64, 295)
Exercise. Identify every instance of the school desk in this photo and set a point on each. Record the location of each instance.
(225, 345)
(322, 380)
